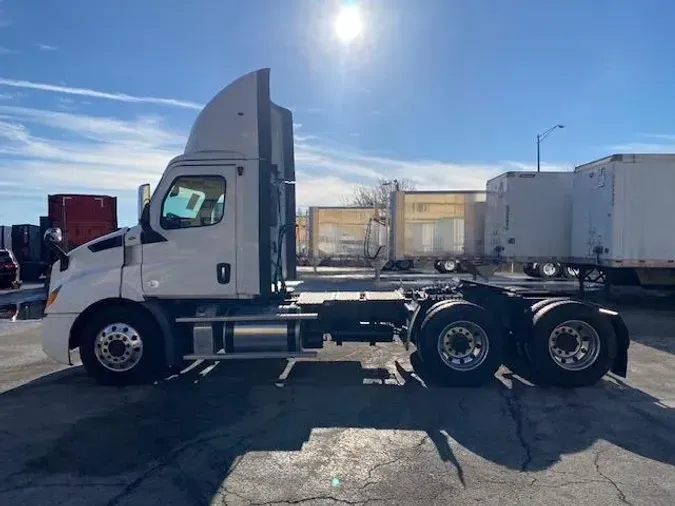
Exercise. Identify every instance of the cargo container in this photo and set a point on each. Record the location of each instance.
(5, 237)
(27, 247)
(622, 210)
(439, 226)
(528, 216)
(337, 232)
(82, 218)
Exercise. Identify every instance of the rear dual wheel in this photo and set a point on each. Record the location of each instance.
(459, 344)
(572, 344)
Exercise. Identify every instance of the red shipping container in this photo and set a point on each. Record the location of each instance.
(82, 218)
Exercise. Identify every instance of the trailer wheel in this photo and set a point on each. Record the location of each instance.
(449, 265)
(120, 345)
(572, 345)
(548, 270)
(570, 272)
(530, 270)
(438, 266)
(459, 344)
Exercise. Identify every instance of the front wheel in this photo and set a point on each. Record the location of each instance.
(122, 345)
(460, 344)
(572, 345)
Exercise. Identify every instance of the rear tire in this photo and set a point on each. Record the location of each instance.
(572, 345)
(548, 270)
(459, 344)
(437, 266)
(122, 345)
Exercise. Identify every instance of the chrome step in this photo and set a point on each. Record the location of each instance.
(249, 356)
(249, 318)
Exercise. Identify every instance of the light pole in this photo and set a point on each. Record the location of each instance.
(541, 137)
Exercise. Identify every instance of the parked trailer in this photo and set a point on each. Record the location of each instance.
(622, 210)
(337, 234)
(142, 300)
(442, 227)
(302, 239)
(528, 221)
(27, 246)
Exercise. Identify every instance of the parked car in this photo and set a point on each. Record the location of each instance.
(9, 270)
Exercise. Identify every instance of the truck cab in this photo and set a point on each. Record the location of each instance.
(203, 276)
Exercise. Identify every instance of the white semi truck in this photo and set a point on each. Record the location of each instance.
(202, 277)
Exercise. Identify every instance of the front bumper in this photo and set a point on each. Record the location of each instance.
(56, 335)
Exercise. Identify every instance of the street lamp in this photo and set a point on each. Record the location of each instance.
(541, 137)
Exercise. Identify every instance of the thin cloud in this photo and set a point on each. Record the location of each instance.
(86, 92)
(47, 151)
(6, 51)
(46, 47)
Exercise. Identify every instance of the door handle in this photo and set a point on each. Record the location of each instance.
(224, 272)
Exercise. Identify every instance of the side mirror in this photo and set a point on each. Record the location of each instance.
(143, 198)
(144, 220)
(53, 235)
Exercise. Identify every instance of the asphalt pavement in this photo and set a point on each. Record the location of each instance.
(358, 426)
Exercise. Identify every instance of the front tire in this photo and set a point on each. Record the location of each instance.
(459, 344)
(122, 345)
(572, 345)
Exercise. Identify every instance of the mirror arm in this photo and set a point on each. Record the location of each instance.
(61, 254)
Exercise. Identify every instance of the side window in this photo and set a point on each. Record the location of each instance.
(194, 201)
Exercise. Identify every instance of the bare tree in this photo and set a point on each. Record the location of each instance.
(377, 194)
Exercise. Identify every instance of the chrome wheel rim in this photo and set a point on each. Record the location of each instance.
(118, 347)
(549, 269)
(574, 345)
(463, 345)
(449, 265)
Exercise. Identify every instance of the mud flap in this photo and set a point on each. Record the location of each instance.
(620, 365)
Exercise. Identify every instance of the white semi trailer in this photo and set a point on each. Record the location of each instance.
(201, 277)
(622, 211)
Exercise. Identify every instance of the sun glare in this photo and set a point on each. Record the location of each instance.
(348, 24)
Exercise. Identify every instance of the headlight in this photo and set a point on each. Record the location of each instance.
(51, 298)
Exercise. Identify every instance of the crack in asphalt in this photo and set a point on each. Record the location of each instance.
(515, 409)
(620, 493)
(323, 498)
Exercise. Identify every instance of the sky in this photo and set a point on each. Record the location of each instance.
(97, 97)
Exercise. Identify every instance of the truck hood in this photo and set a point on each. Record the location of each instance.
(103, 254)
(109, 240)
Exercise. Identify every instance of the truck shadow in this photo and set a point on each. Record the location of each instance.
(203, 419)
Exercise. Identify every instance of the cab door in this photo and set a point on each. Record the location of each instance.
(190, 249)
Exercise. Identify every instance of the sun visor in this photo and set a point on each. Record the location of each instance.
(237, 119)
